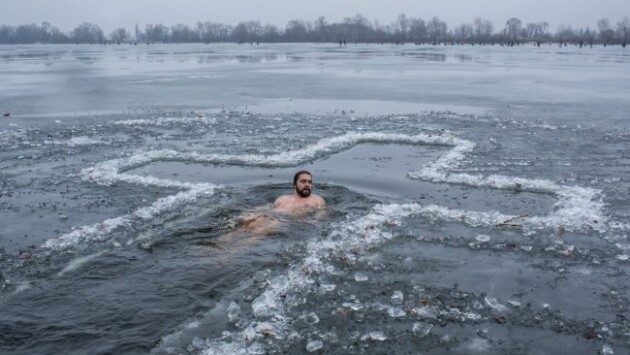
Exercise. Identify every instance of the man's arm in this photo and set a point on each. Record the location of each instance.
(280, 201)
(321, 203)
(322, 212)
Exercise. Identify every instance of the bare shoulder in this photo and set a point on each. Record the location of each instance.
(281, 200)
(319, 201)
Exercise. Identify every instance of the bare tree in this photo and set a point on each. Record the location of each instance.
(381, 33)
(156, 33)
(417, 30)
(321, 29)
(119, 35)
(436, 29)
(606, 33)
(362, 28)
(28, 33)
(182, 33)
(512, 29)
(32, 33)
(536, 31)
(566, 34)
(402, 26)
(623, 29)
(463, 33)
(482, 30)
(7, 35)
(270, 33)
(240, 33)
(88, 33)
(212, 32)
(296, 31)
(352, 29)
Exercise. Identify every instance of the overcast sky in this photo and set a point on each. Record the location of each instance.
(110, 14)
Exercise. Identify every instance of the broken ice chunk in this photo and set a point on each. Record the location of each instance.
(375, 335)
(359, 277)
(314, 345)
(482, 238)
(493, 303)
(397, 297)
(422, 329)
(233, 312)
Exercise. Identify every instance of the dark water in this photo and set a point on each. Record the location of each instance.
(496, 223)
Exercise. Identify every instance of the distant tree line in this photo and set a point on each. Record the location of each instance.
(357, 29)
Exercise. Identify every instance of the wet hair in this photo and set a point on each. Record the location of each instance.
(297, 176)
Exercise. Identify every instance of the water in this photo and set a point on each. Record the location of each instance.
(477, 199)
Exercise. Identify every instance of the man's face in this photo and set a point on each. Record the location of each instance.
(304, 185)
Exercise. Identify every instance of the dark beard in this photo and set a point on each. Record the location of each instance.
(304, 192)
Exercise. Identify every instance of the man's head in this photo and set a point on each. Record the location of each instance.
(303, 183)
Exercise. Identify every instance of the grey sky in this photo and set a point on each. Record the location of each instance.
(110, 14)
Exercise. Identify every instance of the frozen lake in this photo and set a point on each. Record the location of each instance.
(478, 199)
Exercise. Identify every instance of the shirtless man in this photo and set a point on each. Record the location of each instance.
(298, 204)
(302, 205)
(302, 200)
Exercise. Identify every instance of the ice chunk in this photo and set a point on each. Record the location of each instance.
(422, 329)
(198, 343)
(359, 277)
(328, 287)
(607, 350)
(514, 303)
(396, 312)
(375, 335)
(294, 336)
(494, 304)
(353, 306)
(425, 311)
(314, 345)
(471, 316)
(233, 312)
(623, 246)
(482, 238)
(397, 297)
(311, 318)
(269, 303)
